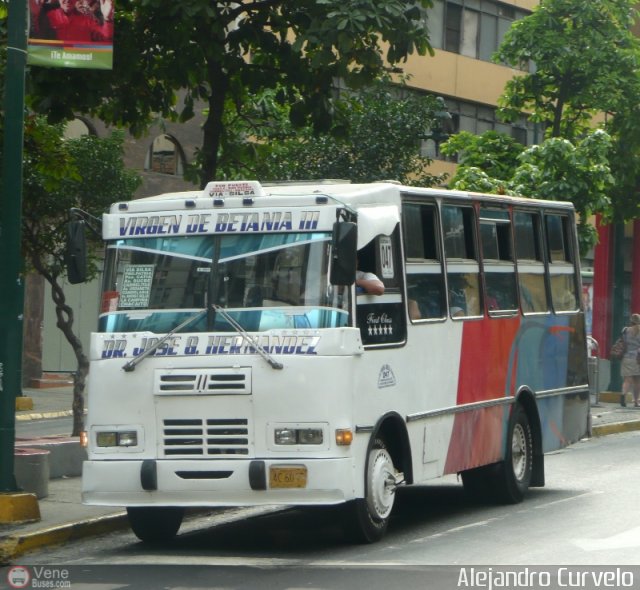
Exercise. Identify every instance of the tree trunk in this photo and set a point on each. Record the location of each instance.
(212, 128)
(65, 318)
(32, 335)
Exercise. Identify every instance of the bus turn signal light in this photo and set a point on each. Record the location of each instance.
(344, 437)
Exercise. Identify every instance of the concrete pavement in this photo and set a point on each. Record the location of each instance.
(63, 517)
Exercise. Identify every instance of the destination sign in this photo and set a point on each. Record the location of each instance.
(264, 221)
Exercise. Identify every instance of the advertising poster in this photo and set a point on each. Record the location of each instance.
(71, 34)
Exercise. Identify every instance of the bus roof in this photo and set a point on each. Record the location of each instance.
(241, 194)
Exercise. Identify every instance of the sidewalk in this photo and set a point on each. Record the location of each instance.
(64, 517)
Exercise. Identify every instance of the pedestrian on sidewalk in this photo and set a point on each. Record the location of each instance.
(629, 368)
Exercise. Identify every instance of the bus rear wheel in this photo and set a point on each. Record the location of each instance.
(369, 516)
(155, 524)
(514, 476)
(507, 481)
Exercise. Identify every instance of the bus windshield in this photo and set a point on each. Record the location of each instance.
(264, 282)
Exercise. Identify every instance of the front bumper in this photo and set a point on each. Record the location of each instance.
(212, 483)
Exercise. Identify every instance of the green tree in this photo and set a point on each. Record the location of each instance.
(87, 173)
(624, 127)
(377, 134)
(578, 60)
(226, 51)
(492, 153)
(585, 59)
(563, 171)
(557, 169)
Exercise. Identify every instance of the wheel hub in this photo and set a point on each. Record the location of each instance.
(382, 484)
(519, 452)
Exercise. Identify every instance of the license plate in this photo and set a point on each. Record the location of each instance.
(288, 477)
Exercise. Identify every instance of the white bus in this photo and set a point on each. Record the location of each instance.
(236, 364)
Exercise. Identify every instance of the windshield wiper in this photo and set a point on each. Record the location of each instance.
(131, 365)
(238, 328)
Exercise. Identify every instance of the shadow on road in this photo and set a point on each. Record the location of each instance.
(298, 533)
(295, 532)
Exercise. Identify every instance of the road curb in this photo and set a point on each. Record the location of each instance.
(615, 427)
(14, 545)
(43, 415)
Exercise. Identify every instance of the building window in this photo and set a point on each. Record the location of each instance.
(474, 28)
(165, 156)
(476, 119)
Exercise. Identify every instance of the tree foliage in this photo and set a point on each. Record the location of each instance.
(578, 61)
(226, 51)
(584, 57)
(625, 162)
(557, 170)
(87, 173)
(376, 136)
(563, 171)
(494, 153)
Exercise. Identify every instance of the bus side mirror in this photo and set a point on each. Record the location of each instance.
(344, 244)
(76, 253)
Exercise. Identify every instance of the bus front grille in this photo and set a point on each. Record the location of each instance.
(205, 438)
(225, 381)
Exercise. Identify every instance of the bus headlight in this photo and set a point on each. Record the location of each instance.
(112, 438)
(128, 438)
(298, 436)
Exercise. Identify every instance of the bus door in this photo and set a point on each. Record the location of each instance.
(381, 318)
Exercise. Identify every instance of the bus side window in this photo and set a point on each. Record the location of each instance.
(463, 268)
(499, 265)
(561, 267)
(425, 279)
(531, 269)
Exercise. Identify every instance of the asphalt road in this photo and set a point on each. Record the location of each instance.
(587, 514)
(35, 428)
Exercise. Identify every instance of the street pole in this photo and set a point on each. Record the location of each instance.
(12, 291)
(617, 303)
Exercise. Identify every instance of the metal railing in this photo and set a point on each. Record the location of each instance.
(593, 362)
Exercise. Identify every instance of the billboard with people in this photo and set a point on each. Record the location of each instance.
(71, 33)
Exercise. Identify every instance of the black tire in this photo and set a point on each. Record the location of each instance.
(478, 483)
(155, 525)
(514, 475)
(508, 481)
(368, 517)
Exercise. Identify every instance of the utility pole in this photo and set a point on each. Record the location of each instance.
(618, 311)
(12, 292)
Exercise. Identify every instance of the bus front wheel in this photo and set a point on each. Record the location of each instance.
(369, 516)
(155, 524)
